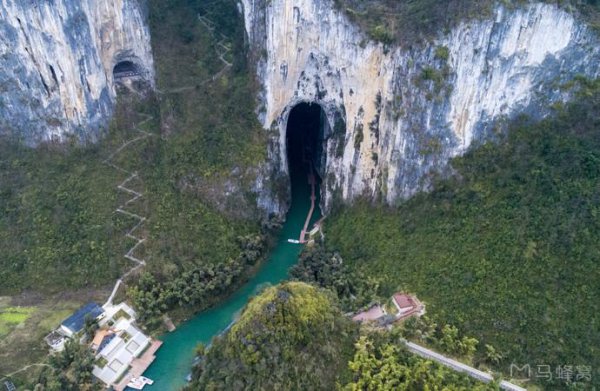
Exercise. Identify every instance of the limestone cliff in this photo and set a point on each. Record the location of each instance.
(56, 64)
(398, 113)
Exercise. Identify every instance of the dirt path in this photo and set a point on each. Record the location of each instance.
(26, 367)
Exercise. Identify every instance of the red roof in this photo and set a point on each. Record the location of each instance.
(404, 300)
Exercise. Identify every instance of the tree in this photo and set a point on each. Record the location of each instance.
(492, 355)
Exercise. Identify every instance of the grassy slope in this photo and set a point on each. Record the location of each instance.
(57, 229)
(212, 129)
(508, 249)
(24, 343)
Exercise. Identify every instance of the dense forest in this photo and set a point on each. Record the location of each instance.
(294, 337)
(507, 248)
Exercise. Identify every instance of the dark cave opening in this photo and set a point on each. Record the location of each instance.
(304, 144)
(126, 69)
(304, 140)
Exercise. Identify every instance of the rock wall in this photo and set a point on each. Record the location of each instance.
(396, 114)
(56, 64)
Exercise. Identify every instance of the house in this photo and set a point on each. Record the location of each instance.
(116, 350)
(56, 340)
(74, 323)
(407, 305)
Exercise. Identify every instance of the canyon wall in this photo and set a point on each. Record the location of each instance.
(56, 64)
(397, 114)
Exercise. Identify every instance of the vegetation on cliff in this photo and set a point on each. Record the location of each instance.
(393, 21)
(506, 249)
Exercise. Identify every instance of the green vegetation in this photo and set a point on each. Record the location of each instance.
(381, 363)
(57, 222)
(193, 289)
(70, 370)
(445, 338)
(326, 269)
(435, 80)
(57, 226)
(506, 249)
(294, 337)
(121, 314)
(58, 229)
(291, 336)
(198, 239)
(24, 344)
(101, 362)
(11, 317)
(442, 53)
(214, 120)
(390, 21)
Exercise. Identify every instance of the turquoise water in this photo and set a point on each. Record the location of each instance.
(174, 358)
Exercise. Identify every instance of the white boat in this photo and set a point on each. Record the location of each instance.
(295, 241)
(138, 383)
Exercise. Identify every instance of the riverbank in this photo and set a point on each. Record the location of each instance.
(175, 358)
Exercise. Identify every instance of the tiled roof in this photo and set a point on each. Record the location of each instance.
(403, 300)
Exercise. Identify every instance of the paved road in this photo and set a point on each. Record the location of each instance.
(458, 366)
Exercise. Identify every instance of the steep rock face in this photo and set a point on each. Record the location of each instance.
(56, 64)
(398, 113)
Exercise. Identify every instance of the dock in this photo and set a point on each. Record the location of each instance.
(139, 366)
(169, 324)
(312, 182)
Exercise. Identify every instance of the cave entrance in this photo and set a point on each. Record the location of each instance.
(304, 144)
(126, 69)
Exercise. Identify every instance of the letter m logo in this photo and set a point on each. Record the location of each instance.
(520, 373)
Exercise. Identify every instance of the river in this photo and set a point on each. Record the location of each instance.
(174, 359)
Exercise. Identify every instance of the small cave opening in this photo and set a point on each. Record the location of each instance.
(304, 144)
(125, 69)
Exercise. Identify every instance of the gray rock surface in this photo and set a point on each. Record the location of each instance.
(56, 64)
(413, 108)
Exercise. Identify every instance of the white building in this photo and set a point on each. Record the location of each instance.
(114, 358)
